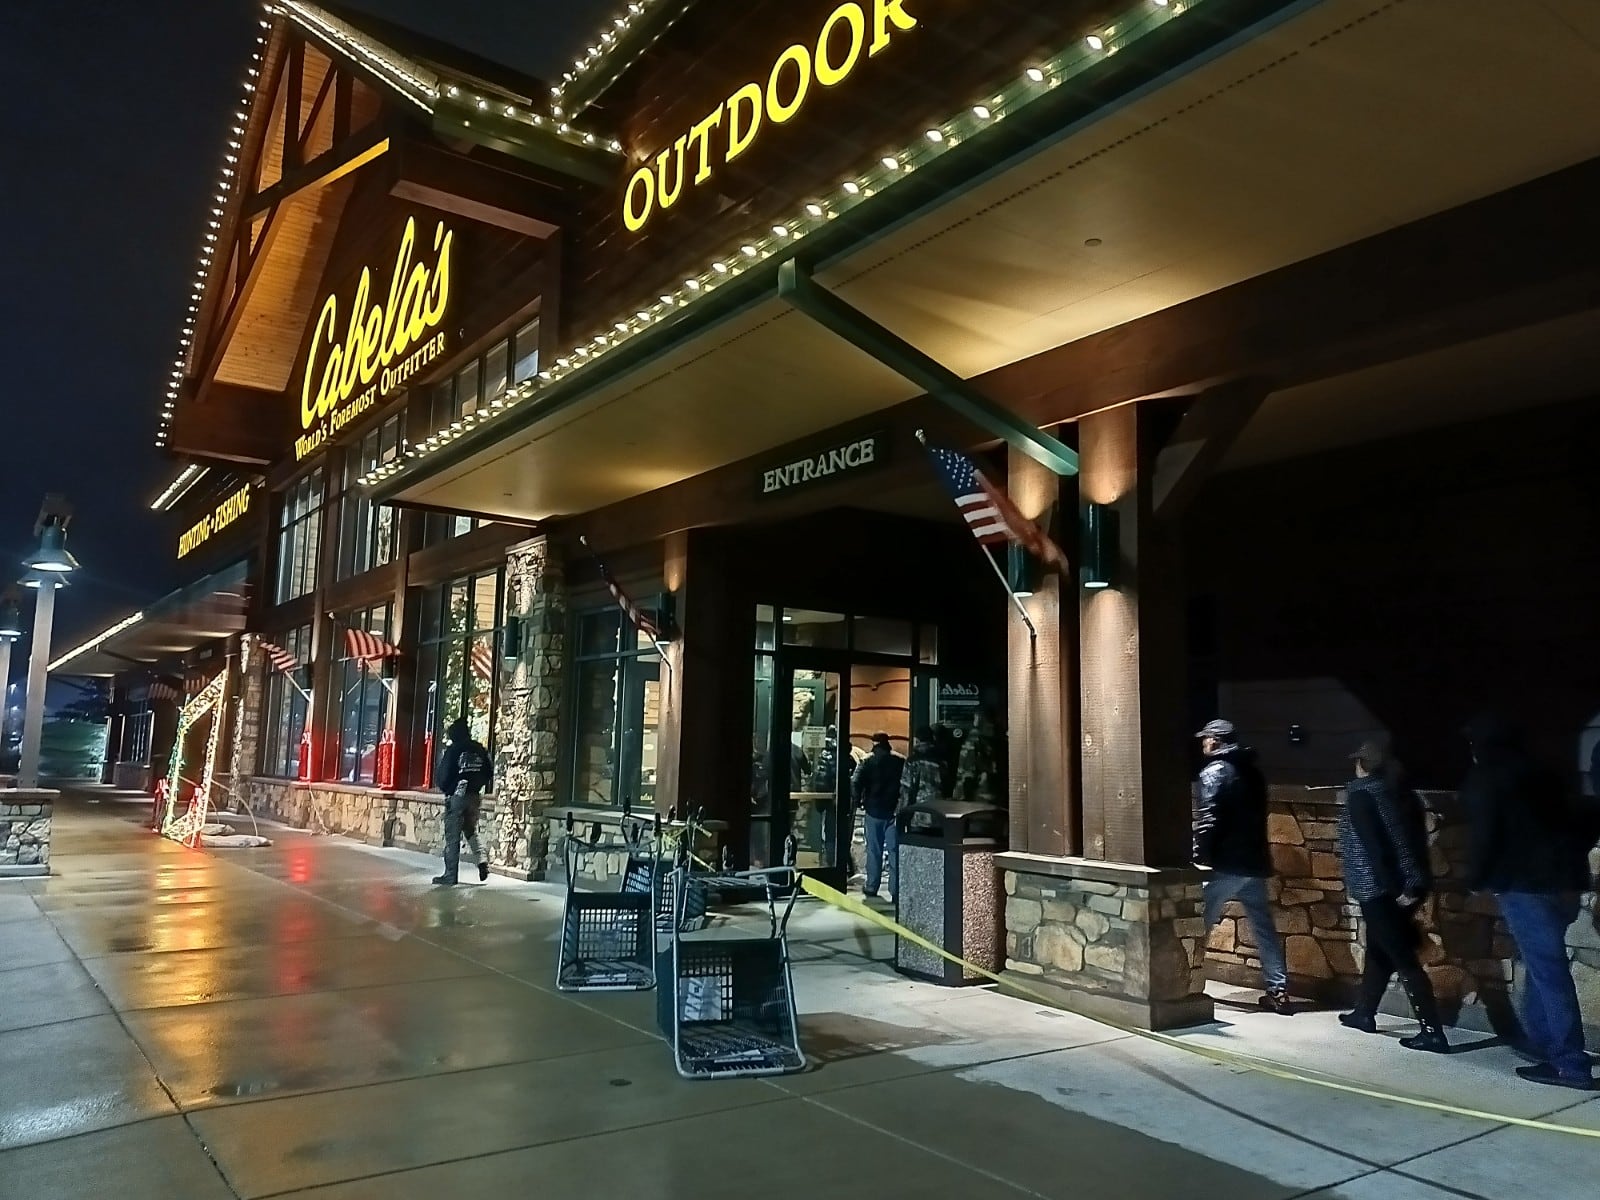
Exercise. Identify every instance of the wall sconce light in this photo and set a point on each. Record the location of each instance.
(1023, 571)
(1100, 547)
(667, 615)
(511, 651)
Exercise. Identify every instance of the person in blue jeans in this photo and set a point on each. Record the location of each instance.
(876, 788)
(1528, 849)
(1230, 837)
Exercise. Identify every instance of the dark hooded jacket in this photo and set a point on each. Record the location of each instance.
(1525, 835)
(1230, 822)
(877, 781)
(465, 761)
(1383, 839)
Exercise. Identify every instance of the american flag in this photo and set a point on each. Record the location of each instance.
(367, 647)
(641, 620)
(280, 658)
(988, 511)
(482, 660)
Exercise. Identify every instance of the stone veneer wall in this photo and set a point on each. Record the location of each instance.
(1108, 939)
(1469, 953)
(25, 832)
(528, 726)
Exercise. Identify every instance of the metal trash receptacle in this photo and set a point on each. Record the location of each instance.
(949, 889)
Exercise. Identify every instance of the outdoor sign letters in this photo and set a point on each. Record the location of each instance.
(851, 33)
(825, 465)
(385, 341)
(225, 514)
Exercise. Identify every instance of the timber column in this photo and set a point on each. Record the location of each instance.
(1117, 930)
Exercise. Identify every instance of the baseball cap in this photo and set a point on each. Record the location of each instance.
(1374, 752)
(1216, 729)
(880, 736)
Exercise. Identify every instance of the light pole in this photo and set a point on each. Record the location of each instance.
(48, 568)
(10, 631)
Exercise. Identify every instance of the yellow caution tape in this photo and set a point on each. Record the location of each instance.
(1228, 1058)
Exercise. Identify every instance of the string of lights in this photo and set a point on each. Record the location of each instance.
(603, 50)
(186, 828)
(783, 238)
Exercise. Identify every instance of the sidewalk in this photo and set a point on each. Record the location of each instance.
(314, 1019)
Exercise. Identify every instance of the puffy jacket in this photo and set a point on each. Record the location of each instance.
(1383, 841)
(1230, 823)
(876, 784)
(923, 778)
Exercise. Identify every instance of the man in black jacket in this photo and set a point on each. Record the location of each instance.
(1527, 849)
(876, 786)
(464, 773)
(1230, 837)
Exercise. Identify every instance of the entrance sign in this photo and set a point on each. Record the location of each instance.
(852, 32)
(385, 342)
(825, 465)
(225, 514)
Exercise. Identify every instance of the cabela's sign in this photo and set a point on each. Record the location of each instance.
(852, 32)
(825, 465)
(225, 514)
(385, 343)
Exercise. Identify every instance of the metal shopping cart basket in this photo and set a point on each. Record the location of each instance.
(726, 1003)
(607, 938)
(656, 873)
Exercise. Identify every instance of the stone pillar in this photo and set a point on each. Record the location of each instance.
(1119, 932)
(527, 736)
(25, 817)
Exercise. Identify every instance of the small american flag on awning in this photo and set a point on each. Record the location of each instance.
(637, 617)
(280, 658)
(367, 647)
(482, 660)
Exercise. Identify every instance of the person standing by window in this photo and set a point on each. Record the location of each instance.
(876, 788)
(1230, 837)
(1385, 850)
(464, 773)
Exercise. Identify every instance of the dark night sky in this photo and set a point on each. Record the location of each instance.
(112, 130)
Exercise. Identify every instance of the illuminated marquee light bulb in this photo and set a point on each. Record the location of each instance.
(852, 187)
(1035, 74)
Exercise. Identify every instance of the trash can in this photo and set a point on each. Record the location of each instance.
(949, 892)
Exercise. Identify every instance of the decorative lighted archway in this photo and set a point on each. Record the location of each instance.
(186, 828)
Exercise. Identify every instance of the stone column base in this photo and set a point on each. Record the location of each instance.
(25, 831)
(1110, 940)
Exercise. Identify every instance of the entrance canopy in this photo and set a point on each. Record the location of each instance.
(206, 611)
(1326, 129)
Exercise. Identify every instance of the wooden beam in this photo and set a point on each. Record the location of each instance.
(224, 423)
(350, 155)
(475, 190)
(293, 82)
(251, 261)
(1203, 438)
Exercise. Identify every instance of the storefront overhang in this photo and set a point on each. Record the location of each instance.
(207, 611)
(1304, 133)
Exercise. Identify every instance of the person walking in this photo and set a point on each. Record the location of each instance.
(1230, 838)
(876, 788)
(922, 780)
(1384, 844)
(463, 774)
(1526, 848)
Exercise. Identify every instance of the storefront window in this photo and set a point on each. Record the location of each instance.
(300, 537)
(136, 738)
(367, 530)
(458, 660)
(617, 702)
(496, 372)
(526, 363)
(283, 709)
(364, 690)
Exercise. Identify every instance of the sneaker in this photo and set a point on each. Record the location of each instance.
(445, 881)
(1363, 1022)
(483, 872)
(1546, 1074)
(1430, 1039)
(1277, 1001)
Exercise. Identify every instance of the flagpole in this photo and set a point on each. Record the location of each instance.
(1015, 599)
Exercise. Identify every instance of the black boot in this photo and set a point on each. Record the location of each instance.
(1360, 1019)
(1430, 1037)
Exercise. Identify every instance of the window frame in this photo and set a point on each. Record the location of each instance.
(361, 522)
(299, 535)
(630, 678)
(367, 682)
(283, 708)
(443, 651)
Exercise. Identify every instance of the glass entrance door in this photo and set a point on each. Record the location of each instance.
(811, 775)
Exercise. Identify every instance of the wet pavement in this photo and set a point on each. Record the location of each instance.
(314, 1019)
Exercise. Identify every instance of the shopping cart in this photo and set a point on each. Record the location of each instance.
(726, 1002)
(607, 938)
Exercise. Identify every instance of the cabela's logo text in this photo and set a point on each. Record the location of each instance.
(384, 345)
